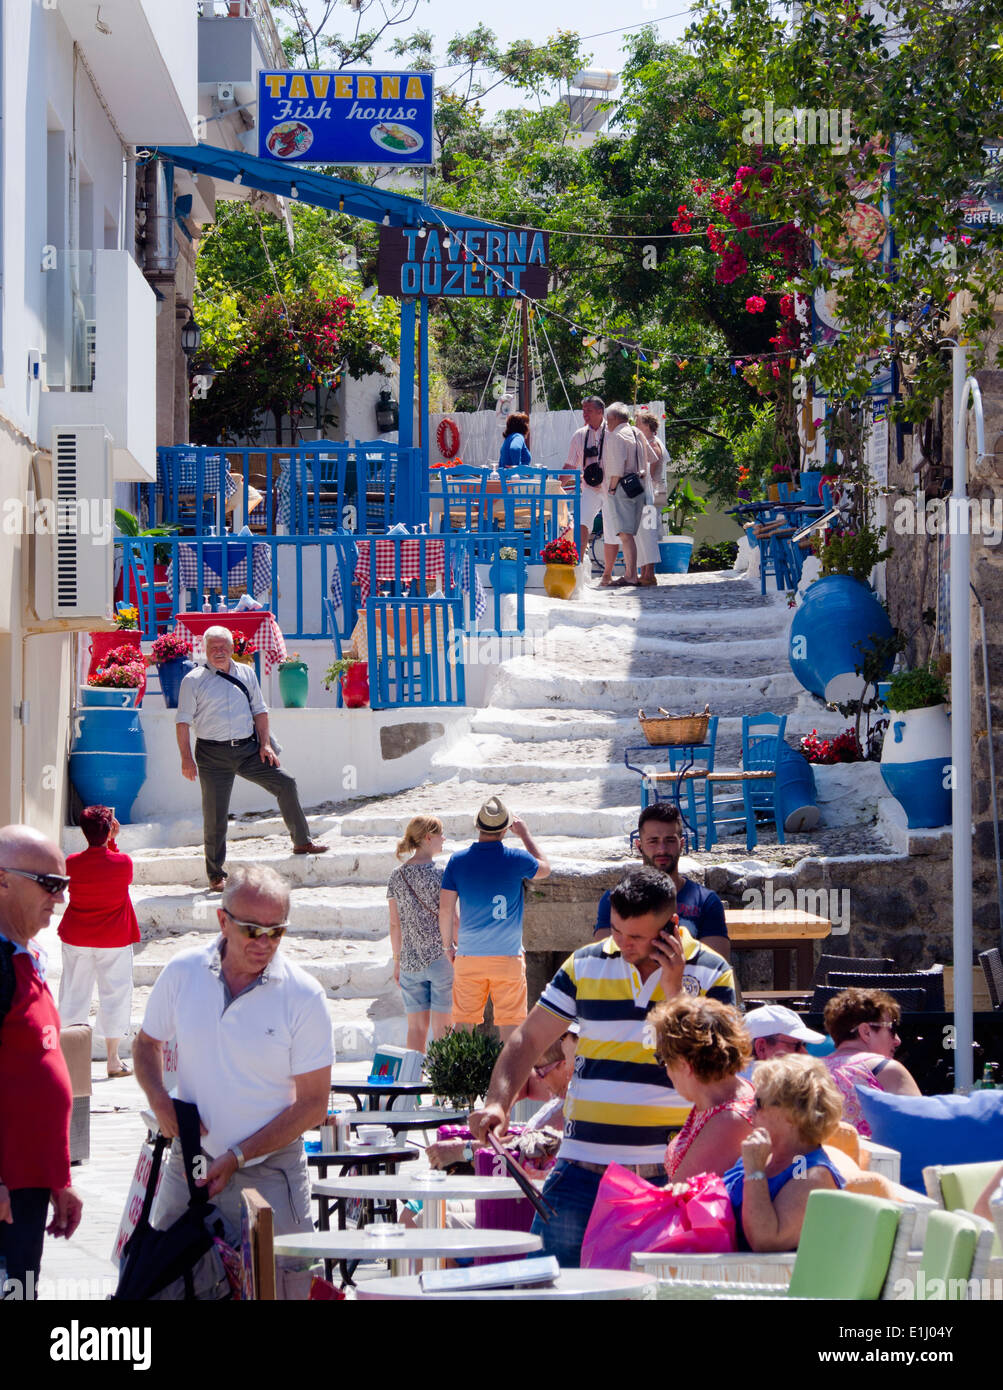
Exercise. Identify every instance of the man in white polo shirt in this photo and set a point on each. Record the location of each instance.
(254, 1053)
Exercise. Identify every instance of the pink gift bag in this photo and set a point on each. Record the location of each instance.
(631, 1215)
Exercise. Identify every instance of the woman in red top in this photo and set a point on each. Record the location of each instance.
(98, 930)
(703, 1046)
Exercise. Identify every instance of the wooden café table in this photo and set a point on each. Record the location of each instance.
(779, 930)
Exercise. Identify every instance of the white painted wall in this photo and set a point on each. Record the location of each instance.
(334, 756)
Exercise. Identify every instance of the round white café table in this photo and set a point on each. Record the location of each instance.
(412, 1244)
(570, 1284)
(432, 1193)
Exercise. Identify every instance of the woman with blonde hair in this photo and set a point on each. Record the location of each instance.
(703, 1046)
(421, 967)
(783, 1160)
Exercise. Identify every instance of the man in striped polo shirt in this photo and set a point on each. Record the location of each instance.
(620, 1105)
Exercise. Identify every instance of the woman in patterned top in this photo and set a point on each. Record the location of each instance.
(421, 967)
(864, 1025)
(703, 1046)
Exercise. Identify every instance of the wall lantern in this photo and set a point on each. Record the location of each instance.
(387, 413)
(191, 336)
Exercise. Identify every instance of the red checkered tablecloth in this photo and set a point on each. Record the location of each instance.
(259, 627)
(435, 561)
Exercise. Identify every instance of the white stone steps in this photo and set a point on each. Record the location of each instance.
(340, 913)
(523, 684)
(346, 969)
(372, 866)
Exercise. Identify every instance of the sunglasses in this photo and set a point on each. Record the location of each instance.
(52, 883)
(255, 930)
(892, 1028)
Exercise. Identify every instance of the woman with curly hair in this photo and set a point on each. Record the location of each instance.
(864, 1025)
(703, 1045)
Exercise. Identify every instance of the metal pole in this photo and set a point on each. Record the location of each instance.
(961, 734)
(525, 403)
(421, 483)
(404, 499)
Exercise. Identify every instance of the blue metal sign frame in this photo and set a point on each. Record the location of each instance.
(346, 117)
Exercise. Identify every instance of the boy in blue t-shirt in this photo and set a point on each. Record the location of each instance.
(487, 953)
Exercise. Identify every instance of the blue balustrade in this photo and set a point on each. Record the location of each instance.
(415, 652)
(306, 489)
(293, 575)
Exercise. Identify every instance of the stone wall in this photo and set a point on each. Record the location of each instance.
(912, 575)
(898, 906)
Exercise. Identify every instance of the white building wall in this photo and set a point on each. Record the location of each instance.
(62, 185)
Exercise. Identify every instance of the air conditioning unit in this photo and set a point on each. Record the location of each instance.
(73, 540)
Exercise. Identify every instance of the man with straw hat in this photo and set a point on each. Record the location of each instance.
(486, 951)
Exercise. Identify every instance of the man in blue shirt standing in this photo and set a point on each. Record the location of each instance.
(660, 842)
(487, 951)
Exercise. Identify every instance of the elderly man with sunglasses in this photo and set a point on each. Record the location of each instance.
(254, 1053)
(35, 1092)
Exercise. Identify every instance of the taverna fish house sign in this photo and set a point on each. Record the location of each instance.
(463, 262)
(345, 117)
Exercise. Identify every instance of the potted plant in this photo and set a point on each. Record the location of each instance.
(294, 682)
(125, 657)
(172, 653)
(353, 676)
(561, 559)
(459, 1066)
(841, 616)
(125, 632)
(682, 507)
(504, 572)
(242, 650)
(916, 758)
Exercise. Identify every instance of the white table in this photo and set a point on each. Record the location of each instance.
(431, 1193)
(570, 1284)
(416, 1244)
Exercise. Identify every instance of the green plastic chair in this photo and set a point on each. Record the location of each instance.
(959, 1185)
(956, 1249)
(852, 1247)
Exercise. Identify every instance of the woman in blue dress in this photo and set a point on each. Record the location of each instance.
(515, 446)
(783, 1161)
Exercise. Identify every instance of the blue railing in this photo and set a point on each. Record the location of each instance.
(306, 490)
(415, 648)
(531, 503)
(293, 575)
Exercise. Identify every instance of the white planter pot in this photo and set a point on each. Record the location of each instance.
(916, 765)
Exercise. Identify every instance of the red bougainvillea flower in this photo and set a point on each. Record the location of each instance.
(786, 306)
(682, 223)
(755, 304)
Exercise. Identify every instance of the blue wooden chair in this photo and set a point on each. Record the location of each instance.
(414, 652)
(522, 504)
(762, 743)
(694, 801)
(465, 502)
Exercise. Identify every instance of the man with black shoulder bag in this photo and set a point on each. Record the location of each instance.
(623, 504)
(585, 456)
(223, 701)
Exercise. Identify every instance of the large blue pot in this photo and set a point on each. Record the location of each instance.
(172, 673)
(108, 779)
(108, 731)
(107, 697)
(796, 791)
(810, 481)
(839, 616)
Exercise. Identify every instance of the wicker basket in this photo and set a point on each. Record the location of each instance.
(675, 728)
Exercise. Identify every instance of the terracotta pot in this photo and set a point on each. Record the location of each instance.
(559, 580)
(355, 685)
